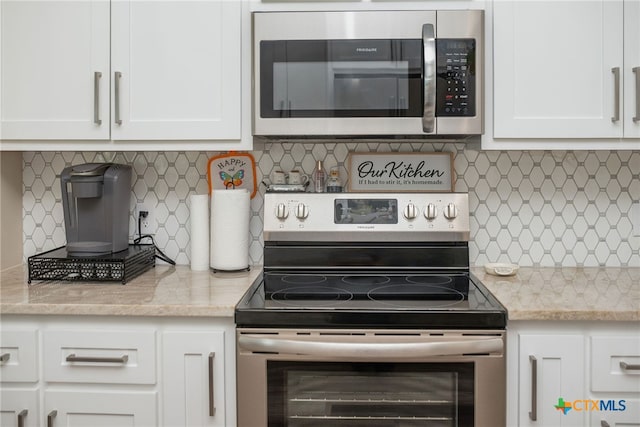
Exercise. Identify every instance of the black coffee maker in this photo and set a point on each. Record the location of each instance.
(95, 199)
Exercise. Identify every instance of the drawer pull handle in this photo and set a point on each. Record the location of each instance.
(4, 357)
(50, 418)
(603, 423)
(533, 414)
(21, 416)
(73, 358)
(627, 367)
(212, 406)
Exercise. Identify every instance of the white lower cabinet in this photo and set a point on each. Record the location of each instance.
(19, 407)
(630, 417)
(193, 378)
(19, 372)
(116, 371)
(566, 373)
(615, 379)
(550, 368)
(100, 409)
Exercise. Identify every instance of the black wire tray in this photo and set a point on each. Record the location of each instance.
(122, 266)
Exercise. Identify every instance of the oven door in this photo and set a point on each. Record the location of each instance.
(370, 378)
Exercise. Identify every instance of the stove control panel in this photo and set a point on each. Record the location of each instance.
(366, 216)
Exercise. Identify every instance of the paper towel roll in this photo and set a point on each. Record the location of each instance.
(230, 229)
(199, 216)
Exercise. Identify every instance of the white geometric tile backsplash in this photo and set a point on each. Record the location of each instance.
(542, 208)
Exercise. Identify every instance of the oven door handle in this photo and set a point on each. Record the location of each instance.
(403, 350)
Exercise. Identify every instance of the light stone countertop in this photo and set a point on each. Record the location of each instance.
(568, 293)
(161, 291)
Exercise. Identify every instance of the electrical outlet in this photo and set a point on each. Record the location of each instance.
(148, 223)
(635, 218)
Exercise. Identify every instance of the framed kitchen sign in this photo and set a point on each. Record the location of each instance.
(401, 172)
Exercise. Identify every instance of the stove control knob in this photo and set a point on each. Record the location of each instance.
(451, 211)
(411, 211)
(302, 211)
(281, 211)
(431, 212)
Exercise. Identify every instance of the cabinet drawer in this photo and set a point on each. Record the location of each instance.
(107, 409)
(100, 356)
(627, 417)
(19, 405)
(18, 353)
(608, 356)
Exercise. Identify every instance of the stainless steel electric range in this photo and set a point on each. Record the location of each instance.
(366, 314)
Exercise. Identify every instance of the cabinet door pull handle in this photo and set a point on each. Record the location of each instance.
(21, 416)
(628, 367)
(96, 97)
(73, 358)
(616, 92)
(603, 423)
(212, 406)
(636, 71)
(50, 418)
(117, 77)
(533, 415)
(4, 357)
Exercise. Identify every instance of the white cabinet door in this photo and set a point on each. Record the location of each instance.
(51, 53)
(193, 378)
(19, 407)
(101, 409)
(632, 68)
(553, 63)
(553, 367)
(176, 70)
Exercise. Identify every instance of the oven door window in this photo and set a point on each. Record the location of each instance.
(306, 394)
(341, 78)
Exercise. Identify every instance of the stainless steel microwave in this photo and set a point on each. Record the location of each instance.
(368, 73)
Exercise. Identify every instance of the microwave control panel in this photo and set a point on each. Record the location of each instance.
(456, 82)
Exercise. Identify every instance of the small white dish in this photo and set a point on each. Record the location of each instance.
(501, 269)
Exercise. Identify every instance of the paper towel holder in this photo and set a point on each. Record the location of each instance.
(241, 270)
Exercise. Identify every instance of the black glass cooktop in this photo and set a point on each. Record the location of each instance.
(364, 299)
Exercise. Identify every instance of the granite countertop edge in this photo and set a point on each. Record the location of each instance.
(534, 293)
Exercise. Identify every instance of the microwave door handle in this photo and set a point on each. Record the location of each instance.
(429, 78)
(363, 351)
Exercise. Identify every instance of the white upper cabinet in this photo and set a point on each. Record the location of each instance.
(563, 74)
(553, 63)
(52, 55)
(632, 69)
(175, 69)
(146, 74)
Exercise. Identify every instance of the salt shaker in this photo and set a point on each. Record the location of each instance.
(319, 177)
